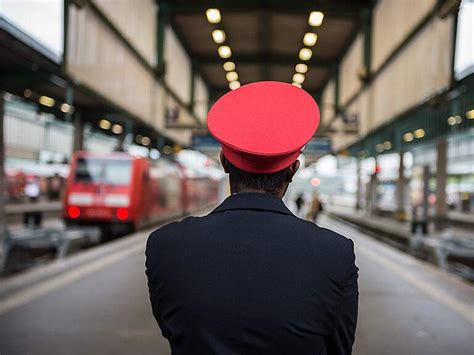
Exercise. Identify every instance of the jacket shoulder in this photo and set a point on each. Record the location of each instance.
(163, 235)
(337, 247)
(326, 235)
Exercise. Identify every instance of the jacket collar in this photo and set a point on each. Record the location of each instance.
(253, 201)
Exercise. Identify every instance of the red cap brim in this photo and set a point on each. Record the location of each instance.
(262, 126)
(259, 164)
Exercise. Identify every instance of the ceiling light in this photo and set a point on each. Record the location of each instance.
(310, 39)
(419, 133)
(305, 54)
(104, 124)
(65, 107)
(232, 76)
(146, 141)
(229, 66)
(451, 120)
(138, 138)
(298, 78)
(296, 84)
(379, 148)
(213, 15)
(224, 52)
(46, 101)
(27, 93)
(117, 129)
(315, 18)
(301, 68)
(470, 115)
(458, 119)
(218, 36)
(387, 145)
(408, 137)
(234, 85)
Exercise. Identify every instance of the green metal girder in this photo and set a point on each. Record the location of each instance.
(336, 89)
(432, 117)
(367, 31)
(265, 58)
(340, 8)
(192, 86)
(163, 18)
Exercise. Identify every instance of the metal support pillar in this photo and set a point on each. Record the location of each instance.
(426, 192)
(3, 219)
(265, 40)
(126, 138)
(367, 31)
(358, 190)
(192, 88)
(78, 143)
(453, 43)
(336, 89)
(162, 21)
(372, 195)
(441, 180)
(68, 116)
(401, 182)
(65, 33)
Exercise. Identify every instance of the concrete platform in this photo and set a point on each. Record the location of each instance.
(97, 303)
(41, 206)
(48, 209)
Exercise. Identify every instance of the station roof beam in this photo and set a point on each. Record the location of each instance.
(266, 37)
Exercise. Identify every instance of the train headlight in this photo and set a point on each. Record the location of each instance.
(122, 214)
(74, 212)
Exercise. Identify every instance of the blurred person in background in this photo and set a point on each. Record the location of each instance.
(54, 187)
(251, 277)
(32, 192)
(315, 208)
(299, 202)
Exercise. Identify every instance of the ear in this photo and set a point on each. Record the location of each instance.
(293, 168)
(224, 162)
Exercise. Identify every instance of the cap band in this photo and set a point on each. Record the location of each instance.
(259, 164)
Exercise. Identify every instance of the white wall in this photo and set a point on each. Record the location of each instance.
(136, 20)
(328, 101)
(201, 99)
(351, 66)
(393, 20)
(420, 71)
(164, 100)
(98, 59)
(178, 66)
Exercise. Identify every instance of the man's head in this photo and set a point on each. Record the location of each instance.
(262, 128)
(274, 183)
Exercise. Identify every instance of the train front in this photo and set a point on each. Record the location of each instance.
(100, 193)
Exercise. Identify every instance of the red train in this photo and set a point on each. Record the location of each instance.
(122, 193)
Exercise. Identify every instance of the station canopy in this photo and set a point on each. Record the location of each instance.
(266, 40)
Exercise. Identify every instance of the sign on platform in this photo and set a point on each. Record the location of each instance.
(205, 142)
(318, 146)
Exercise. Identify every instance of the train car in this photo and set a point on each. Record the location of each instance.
(121, 193)
(16, 182)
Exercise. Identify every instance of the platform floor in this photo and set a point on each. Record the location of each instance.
(102, 307)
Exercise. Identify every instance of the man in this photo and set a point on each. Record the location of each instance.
(250, 277)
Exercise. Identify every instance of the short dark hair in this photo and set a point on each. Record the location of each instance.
(271, 183)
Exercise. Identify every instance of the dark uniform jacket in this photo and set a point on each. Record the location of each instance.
(251, 278)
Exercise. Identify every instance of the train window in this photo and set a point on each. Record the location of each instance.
(117, 172)
(88, 170)
(103, 171)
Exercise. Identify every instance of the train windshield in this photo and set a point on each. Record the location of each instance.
(103, 171)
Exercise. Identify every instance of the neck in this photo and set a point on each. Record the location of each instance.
(248, 189)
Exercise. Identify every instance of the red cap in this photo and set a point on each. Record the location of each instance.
(263, 126)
